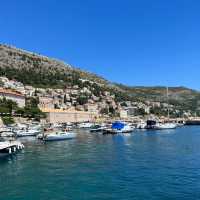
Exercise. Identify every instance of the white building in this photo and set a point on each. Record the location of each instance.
(123, 114)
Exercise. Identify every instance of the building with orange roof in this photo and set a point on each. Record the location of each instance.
(13, 95)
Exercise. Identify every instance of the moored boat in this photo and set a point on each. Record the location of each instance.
(97, 128)
(60, 135)
(119, 127)
(154, 125)
(25, 133)
(10, 147)
(85, 125)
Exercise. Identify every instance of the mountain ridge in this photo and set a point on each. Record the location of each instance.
(63, 63)
(44, 72)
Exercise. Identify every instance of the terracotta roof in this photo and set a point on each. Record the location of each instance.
(10, 92)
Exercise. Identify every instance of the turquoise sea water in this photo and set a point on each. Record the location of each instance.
(145, 165)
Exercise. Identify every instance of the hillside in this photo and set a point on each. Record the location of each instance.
(43, 72)
(37, 70)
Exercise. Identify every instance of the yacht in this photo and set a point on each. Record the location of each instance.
(60, 135)
(119, 127)
(153, 124)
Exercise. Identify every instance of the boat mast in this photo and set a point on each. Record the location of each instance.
(168, 103)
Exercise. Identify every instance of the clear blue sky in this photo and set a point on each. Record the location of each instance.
(135, 42)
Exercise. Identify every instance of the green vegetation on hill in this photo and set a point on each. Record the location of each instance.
(40, 71)
(9, 108)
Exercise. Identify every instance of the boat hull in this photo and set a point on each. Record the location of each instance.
(111, 131)
(55, 137)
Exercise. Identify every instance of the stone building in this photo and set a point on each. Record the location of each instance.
(63, 116)
(46, 102)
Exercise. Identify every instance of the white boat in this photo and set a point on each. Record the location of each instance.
(10, 147)
(119, 127)
(7, 134)
(154, 125)
(25, 133)
(97, 128)
(141, 125)
(85, 125)
(166, 126)
(61, 135)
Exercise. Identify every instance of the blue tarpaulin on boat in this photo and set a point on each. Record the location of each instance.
(117, 125)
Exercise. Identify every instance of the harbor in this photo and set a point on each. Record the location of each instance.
(92, 164)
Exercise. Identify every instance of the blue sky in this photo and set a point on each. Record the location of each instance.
(135, 42)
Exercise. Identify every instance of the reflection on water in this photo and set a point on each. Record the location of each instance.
(143, 165)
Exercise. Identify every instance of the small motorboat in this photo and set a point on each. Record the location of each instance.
(7, 134)
(97, 128)
(167, 126)
(154, 125)
(85, 125)
(60, 135)
(25, 133)
(9, 147)
(119, 127)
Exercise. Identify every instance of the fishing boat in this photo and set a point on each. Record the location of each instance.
(60, 135)
(9, 147)
(119, 127)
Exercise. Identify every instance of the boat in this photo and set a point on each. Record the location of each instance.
(9, 147)
(97, 128)
(141, 125)
(154, 125)
(60, 135)
(28, 132)
(119, 127)
(85, 125)
(7, 134)
(167, 126)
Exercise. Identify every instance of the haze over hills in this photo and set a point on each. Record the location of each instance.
(43, 72)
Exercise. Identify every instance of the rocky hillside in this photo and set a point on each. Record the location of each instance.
(43, 72)
(34, 69)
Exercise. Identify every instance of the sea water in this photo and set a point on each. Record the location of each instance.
(144, 165)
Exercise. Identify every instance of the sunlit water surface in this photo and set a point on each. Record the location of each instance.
(145, 165)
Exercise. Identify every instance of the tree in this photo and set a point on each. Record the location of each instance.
(82, 100)
(7, 105)
(8, 120)
(65, 99)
